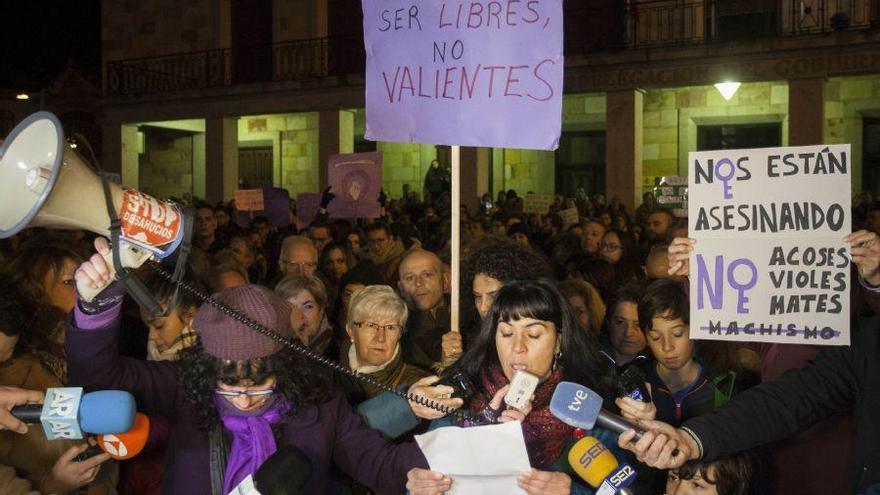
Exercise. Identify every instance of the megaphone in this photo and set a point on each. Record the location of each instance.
(45, 183)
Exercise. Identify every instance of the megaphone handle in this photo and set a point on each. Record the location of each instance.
(130, 256)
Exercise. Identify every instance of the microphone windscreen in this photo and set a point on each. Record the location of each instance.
(107, 411)
(591, 460)
(285, 472)
(389, 414)
(129, 444)
(576, 405)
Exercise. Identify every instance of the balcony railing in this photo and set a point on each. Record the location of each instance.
(613, 25)
(590, 27)
(287, 61)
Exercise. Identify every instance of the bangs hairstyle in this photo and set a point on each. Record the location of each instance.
(665, 299)
(292, 285)
(376, 301)
(539, 299)
(517, 301)
(730, 476)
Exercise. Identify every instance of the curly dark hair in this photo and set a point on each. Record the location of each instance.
(503, 259)
(297, 378)
(541, 300)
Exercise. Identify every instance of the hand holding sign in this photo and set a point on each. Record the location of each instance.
(865, 251)
(679, 254)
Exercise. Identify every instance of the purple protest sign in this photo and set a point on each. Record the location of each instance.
(307, 205)
(356, 180)
(480, 73)
(276, 206)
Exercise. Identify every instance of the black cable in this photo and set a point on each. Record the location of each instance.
(314, 356)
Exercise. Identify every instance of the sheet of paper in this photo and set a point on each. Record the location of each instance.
(480, 460)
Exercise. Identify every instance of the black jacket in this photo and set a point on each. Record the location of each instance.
(837, 379)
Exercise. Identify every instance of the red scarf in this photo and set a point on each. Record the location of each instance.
(545, 436)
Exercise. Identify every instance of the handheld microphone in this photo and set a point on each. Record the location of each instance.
(285, 472)
(580, 407)
(593, 462)
(66, 413)
(126, 445)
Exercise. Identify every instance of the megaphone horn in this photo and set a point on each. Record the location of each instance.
(44, 183)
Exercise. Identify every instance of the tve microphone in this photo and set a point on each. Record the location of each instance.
(285, 472)
(126, 445)
(66, 413)
(580, 407)
(593, 462)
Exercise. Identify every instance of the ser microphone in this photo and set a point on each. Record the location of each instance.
(580, 407)
(285, 472)
(593, 462)
(66, 413)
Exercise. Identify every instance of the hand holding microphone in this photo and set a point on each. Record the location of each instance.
(70, 473)
(662, 446)
(580, 407)
(66, 412)
(11, 397)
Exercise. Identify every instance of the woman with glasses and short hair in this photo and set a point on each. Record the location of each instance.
(376, 321)
(235, 397)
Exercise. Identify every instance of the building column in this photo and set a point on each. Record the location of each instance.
(474, 163)
(806, 111)
(335, 135)
(111, 152)
(623, 144)
(132, 146)
(221, 158)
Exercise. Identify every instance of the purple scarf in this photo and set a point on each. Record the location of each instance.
(252, 438)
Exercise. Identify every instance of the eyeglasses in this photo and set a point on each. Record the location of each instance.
(374, 327)
(233, 394)
(610, 247)
(302, 265)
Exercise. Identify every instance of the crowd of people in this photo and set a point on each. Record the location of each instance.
(589, 302)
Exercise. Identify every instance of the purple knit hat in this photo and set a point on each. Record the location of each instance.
(225, 338)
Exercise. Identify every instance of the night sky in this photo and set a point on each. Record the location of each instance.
(39, 36)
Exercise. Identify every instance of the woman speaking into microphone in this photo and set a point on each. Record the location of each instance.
(529, 328)
(234, 397)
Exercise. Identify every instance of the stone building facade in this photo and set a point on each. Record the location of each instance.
(638, 97)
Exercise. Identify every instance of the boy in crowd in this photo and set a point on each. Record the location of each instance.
(682, 387)
(725, 477)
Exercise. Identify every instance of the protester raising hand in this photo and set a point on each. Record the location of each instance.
(865, 251)
(679, 254)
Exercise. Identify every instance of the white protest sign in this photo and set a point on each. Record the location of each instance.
(249, 199)
(538, 203)
(770, 264)
(569, 217)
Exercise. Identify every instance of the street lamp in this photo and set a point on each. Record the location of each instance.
(727, 89)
